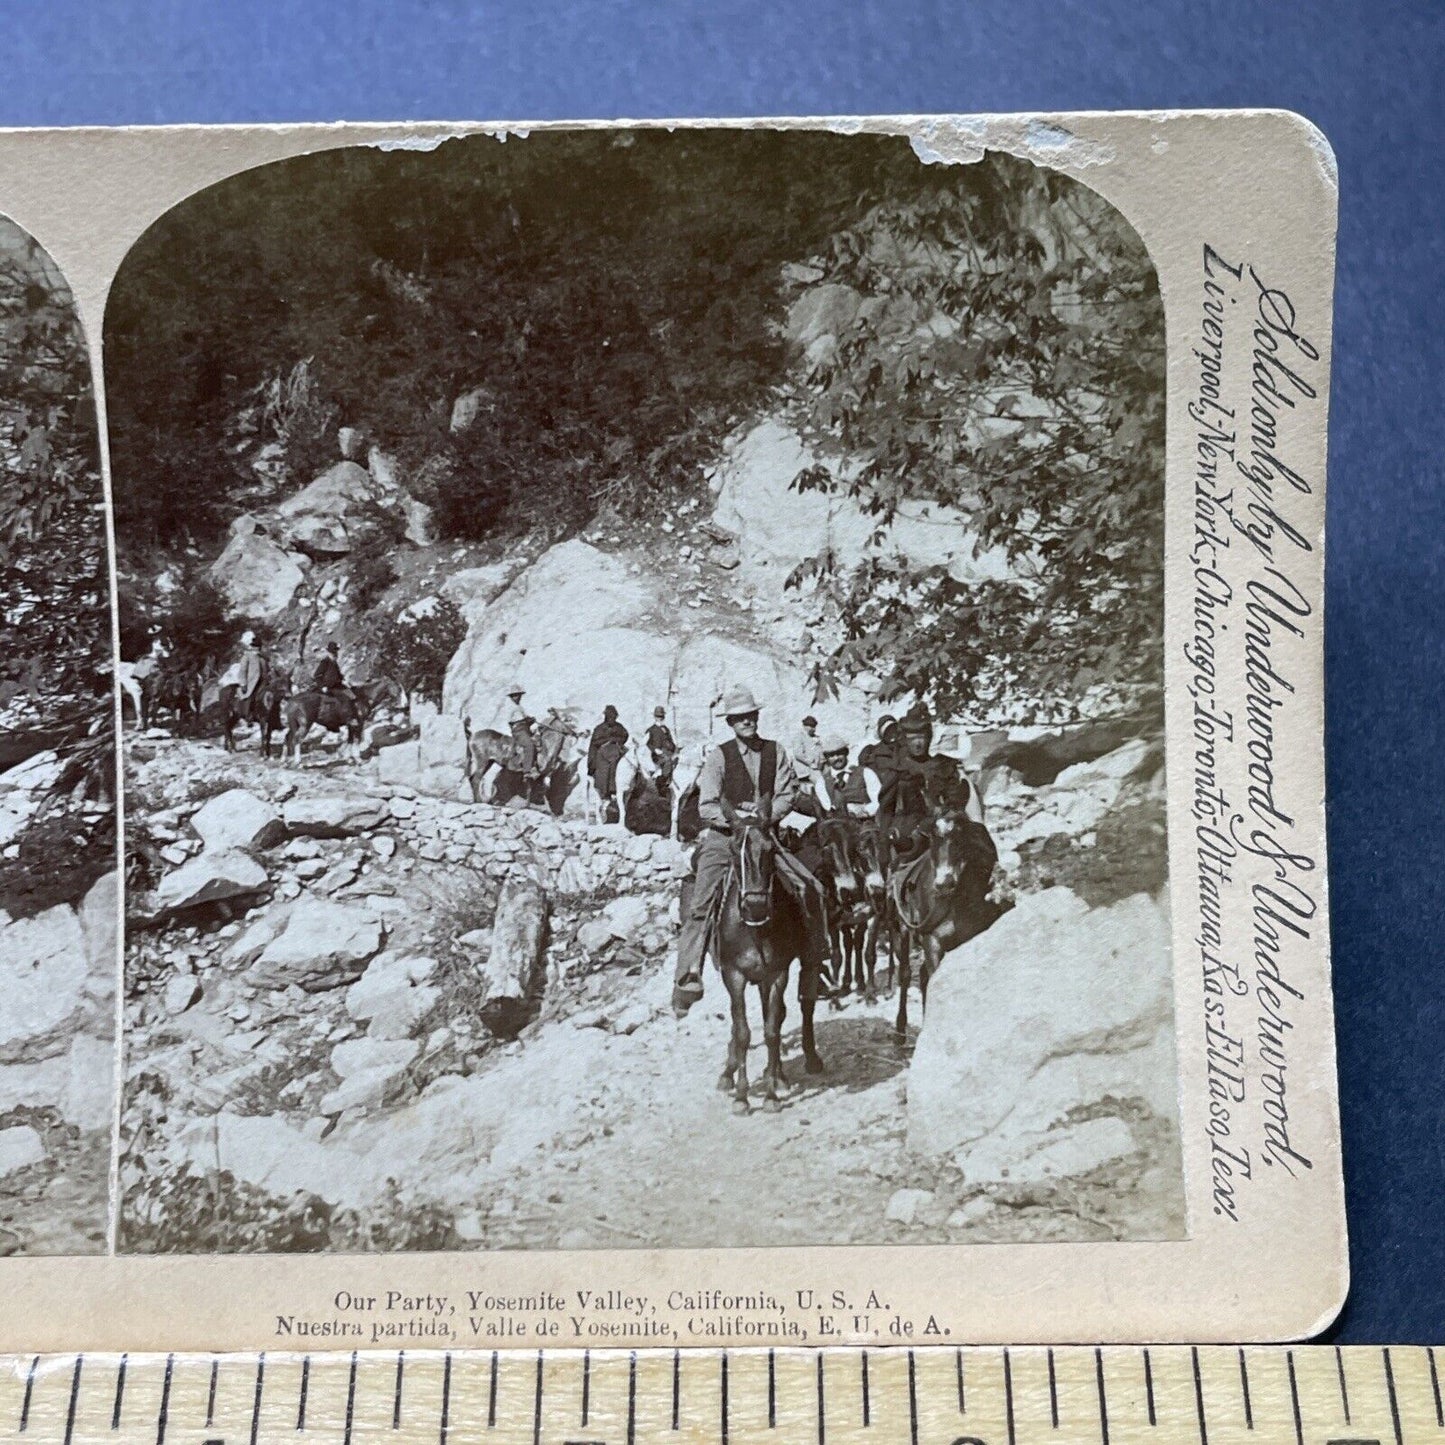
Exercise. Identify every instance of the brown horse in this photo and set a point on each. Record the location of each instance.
(336, 712)
(263, 708)
(845, 904)
(177, 691)
(940, 900)
(490, 749)
(760, 929)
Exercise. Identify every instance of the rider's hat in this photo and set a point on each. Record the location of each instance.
(834, 744)
(660, 712)
(248, 638)
(739, 701)
(609, 713)
(810, 721)
(333, 647)
(917, 720)
(516, 690)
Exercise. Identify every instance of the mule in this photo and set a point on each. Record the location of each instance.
(263, 708)
(337, 712)
(172, 690)
(940, 900)
(489, 749)
(760, 929)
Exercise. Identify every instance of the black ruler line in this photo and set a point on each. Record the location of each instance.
(1394, 1402)
(350, 1402)
(1299, 1429)
(74, 1399)
(772, 1392)
(632, 1397)
(958, 1365)
(1053, 1393)
(29, 1391)
(256, 1401)
(867, 1406)
(397, 1389)
(163, 1416)
(587, 1386)
(119, 1393)
(1244, 1390)
(492, 1396)
(677, 1384)
(1435, 1385)
(447, 1394)
(305, 1389)
(1344, 1388)
(1008, 1397)
(1149, 1387)
(912, 1401)
(1103, 1399)
(822, 1416)
(723, 1400)
(211, 1395)
(1199, 1396)
(537, 1404)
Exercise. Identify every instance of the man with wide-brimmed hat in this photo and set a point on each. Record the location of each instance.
(844, 792)
(741, 771)
(519, 724)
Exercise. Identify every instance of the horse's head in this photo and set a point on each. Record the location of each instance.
(948, 839)
(835, 838)
(868, 849)
(753, 857)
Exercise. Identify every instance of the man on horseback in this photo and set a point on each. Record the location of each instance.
(808, 752)
(604, 752)
(911, 778)
(842, 791)
(328, 679)
(740, 772)
(241, 679)
(663, 748)
(878, 755)
(519, 724)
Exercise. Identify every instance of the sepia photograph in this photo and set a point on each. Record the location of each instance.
(642, 666)
(58, 903)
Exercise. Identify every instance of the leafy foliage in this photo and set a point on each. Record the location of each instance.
(1001, 354)
(416, 647)
(55, 629)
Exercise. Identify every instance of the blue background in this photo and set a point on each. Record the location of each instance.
(1369, 76)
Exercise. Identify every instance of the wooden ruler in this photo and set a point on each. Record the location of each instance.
(1074, 1395)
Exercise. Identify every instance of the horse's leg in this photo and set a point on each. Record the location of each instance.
(903, 946)
(808, 982)
(869, 962)
(737, 987)
(775, 1010)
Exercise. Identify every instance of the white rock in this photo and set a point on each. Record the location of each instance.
(627, 916)
(332, 817)
(1076, 1149)
(904, 1204)
(210, 878)
(43, 979)
(324, 945)
(19, 1148)
(1057, 1006)
(183, 991)
(257, 577)
(237, 819)
(357, 1056)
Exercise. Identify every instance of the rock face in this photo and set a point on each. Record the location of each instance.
(332, 817)
(42, 983)
(258, 577)
(579, 631)
(324, 945)
(777, 526)
(317, 516)
(237, 819)
(513, 967)
(1058, 1010)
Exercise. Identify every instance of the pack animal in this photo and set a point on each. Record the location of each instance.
(337, 712)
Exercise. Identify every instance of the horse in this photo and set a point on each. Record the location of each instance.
(940, 899)
(490, 749)
(626, 770)
(759, 930)
(172, 689)
(337, 712)
(263, 708)
(849, 906)
(686, 771)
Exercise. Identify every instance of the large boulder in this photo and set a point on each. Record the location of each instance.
(474, 589)
(43, 979)
(237, 819)
(332, 817)
(256, 575)
(1038, 1028)
(210, 878)
(320, 517)
(324, 945)
(100, 925)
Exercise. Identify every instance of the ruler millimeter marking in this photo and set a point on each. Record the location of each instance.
(1022, 1395)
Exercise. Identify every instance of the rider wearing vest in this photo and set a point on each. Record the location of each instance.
(742, 770)
(841, 791)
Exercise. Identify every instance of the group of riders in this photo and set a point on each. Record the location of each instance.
(883, 801)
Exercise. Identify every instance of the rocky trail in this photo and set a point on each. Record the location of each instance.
(328, 1045)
